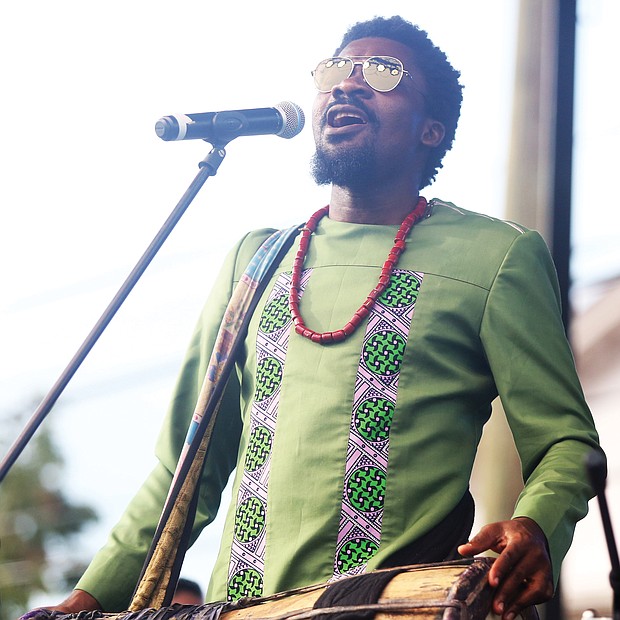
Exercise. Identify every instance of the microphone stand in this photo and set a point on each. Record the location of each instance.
(595, 465)
(208, 167)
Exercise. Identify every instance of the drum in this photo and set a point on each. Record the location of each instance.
(456, 590)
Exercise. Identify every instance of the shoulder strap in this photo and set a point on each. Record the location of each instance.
(165, 557)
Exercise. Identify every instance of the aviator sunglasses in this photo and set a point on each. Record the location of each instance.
(381, 73)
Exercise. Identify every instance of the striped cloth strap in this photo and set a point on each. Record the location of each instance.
(163, 562)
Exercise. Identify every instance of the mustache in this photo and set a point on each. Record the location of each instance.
(354, 101)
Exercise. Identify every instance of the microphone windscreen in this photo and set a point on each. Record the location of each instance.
(293, 117)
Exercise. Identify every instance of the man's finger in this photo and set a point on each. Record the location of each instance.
(487, 538)
(514, 590)
(522, 584)
(504, 566)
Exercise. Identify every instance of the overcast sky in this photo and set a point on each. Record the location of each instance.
(86, 184)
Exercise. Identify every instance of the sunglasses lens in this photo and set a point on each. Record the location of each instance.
(331, 72)
(383, 73)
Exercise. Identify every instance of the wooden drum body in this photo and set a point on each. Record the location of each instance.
(456, 590)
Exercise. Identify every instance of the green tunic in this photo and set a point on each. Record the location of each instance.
(486, 321)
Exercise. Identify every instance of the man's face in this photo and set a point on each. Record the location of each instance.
(365, 136)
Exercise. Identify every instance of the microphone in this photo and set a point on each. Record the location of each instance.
(285, 120)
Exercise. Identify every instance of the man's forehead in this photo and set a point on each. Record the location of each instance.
(378, 46)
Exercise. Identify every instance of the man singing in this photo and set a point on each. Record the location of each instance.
(370, 364)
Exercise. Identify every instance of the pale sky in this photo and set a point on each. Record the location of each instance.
(86, 184)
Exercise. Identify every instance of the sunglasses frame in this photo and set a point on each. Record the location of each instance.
(364, 62)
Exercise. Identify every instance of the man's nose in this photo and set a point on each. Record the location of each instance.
(355, 83)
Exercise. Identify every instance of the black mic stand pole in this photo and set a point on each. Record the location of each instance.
(595, 465)
(208, 167)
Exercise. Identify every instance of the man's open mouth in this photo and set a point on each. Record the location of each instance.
(344, 116)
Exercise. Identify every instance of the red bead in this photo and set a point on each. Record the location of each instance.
(338, 335)
(316, 337)
(316, 217)
(362, 312)
(355, 321)
(327, 338)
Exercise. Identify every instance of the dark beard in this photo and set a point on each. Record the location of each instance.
(354, 168)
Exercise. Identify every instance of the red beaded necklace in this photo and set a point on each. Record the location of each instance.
(364, 310)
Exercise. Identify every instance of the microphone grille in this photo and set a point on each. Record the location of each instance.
(293, 117)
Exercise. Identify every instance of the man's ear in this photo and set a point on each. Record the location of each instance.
(433, 133)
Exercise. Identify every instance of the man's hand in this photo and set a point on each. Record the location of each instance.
(78, 600)
(522, 573)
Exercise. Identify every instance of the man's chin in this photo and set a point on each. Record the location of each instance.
(348, 168)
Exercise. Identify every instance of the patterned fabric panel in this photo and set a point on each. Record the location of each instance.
(247, 561)
(376, 388)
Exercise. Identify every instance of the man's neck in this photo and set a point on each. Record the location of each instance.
(375, 206)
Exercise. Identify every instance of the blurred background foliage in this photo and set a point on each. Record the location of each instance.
(36, 552)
